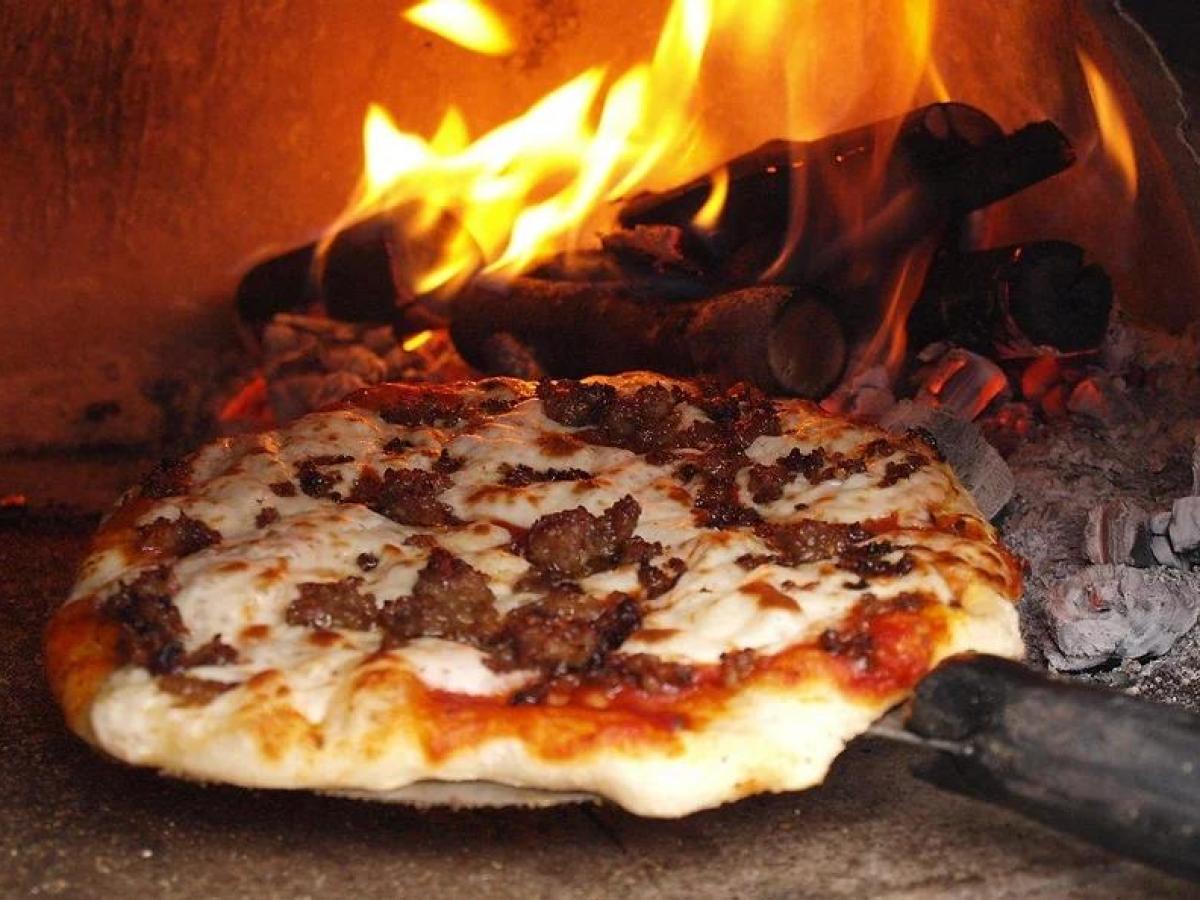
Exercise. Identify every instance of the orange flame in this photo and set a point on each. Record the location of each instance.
(1115, 135)
(467, 23)
(544, 182)
(528, 188)
(417, 341)
(707, 215)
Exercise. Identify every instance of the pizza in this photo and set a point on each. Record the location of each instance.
(659, 592)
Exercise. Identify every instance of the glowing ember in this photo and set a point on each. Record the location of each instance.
(1115, 136)
(467, 23)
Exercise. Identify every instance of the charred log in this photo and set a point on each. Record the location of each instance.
(357, 282)
(784, 339)
(1039, 293)
(280, 284)
(357, 278)
(917, 173)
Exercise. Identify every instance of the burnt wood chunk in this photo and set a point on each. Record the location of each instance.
(278, 284)
(1108, 613)
(914, 174)
(782, 339)
(1040, 292)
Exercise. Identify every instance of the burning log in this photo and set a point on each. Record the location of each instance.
(1109, 613)
(358, 278)
(1038, 293)
(916, 174)
(784, 339)
(279, 284)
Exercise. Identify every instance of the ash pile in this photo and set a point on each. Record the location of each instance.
(1074, 429)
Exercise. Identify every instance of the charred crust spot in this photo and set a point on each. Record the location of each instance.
(450, 600)
(193, 691)
(871, 560)
(152, 630)
(522, 475)
(333, 604)
(366, 561)
(657, 580)
(176, 537)
(899, 471)
(283, 489)
(268, 515)
(810, 540)
(424, 541)
(574, 543)
(397, 445)
(425, 409)
(170, 478)
(406, 496)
